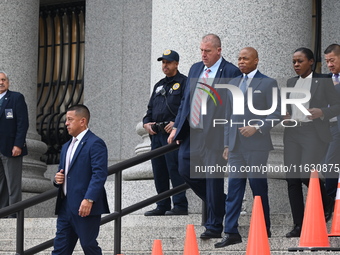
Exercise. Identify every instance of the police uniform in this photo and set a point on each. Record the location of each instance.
(162, 108)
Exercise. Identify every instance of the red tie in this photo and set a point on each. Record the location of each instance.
(196, 111)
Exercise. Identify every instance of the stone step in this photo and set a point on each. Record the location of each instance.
(139, 232)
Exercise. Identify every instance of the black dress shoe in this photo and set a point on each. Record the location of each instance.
(176, 211)
(296, 231)
(329, 210)
(229, 239)
(207, 234)
(155, 212)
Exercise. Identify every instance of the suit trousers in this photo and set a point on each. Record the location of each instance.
(70, 227)
(165, 167)
(10, 180)
(302, 149)
(332, 162)
(243, 164)
(210, 188)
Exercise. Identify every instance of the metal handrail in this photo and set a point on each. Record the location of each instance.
(116, 215)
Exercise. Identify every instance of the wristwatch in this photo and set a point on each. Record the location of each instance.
(90, 200)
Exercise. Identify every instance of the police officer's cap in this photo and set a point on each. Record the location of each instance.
(169, 55)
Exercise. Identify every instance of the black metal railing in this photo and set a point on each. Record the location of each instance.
(116, 215)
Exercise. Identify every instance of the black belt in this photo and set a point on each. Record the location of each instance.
(333, 123)
(299, 123)
(158, 127)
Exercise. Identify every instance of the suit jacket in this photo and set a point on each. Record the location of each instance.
(86, 175)
(225, 73)
(13, 123)
(337, 88)
(325, 97)
(262, 87)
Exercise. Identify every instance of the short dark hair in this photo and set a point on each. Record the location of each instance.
(81, 110)
(333, 48)
(308, 53)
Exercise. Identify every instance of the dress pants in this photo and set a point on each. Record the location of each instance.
(10, 180)
(209, 187)
(302, 149)
(70, 227)
(165, 167)
(238, 159)
(332, 161)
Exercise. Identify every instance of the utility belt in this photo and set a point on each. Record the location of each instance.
(158, 127)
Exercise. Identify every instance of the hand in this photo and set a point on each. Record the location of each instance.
(316, 113)
(287, 116)
(168, 128)
(59, 177)
(16, 151)
(85, 208)
(225, 153)
(247, 131)
(147, 127)
(171, 137)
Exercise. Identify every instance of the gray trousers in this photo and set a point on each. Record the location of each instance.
(10, 180)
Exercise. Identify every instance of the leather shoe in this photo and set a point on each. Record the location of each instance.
(296, 231)
(155, 212)
(229, 239)
(176, 211)
(329, 210)
(269, 233)
(207, 234)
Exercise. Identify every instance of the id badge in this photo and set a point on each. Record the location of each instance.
(9, 113)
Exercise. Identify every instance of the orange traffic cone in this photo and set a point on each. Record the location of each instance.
(190, 245)
(157, 247)
(258, 243)
(335, 230)
(314, 230)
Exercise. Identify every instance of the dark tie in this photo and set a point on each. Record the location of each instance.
(243, 85)
(336, 78)
(68, 161)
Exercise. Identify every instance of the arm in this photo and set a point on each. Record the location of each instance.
(99, 172)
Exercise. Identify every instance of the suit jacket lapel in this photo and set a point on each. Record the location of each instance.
(5, 101)
(82, 142)
(314, 85)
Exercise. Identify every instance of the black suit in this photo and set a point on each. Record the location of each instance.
(305, 145)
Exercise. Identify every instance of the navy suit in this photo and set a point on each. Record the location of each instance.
(250, 151)
(204, 147)
(13, 129)
(85, 180)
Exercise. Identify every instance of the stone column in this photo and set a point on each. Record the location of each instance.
(330, 27)
(19, 58)
(274, 28)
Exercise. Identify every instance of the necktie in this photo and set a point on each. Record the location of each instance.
(336, 78)
(243, 85)
(196, 109)
(68, 161)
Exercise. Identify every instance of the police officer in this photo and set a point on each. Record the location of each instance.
(158, 121)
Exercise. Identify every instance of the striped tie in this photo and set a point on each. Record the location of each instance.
(196, 110)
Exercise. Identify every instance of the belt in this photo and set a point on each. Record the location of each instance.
(300, 123)
(333, 123)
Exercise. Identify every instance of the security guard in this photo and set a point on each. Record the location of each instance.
(158, 121)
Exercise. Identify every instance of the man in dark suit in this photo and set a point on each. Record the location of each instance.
(13, 129)
(332, 158)
(248, 142)
(81, 178)
(201, 143)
